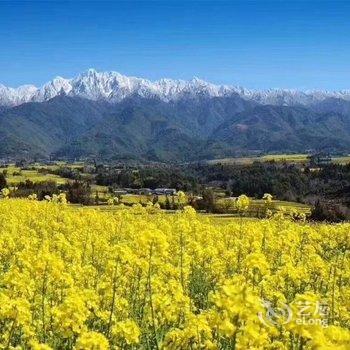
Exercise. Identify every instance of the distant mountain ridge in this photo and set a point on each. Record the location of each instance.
(114, 87)
(110, 116)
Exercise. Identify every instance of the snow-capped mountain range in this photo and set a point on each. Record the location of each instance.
(114, 87)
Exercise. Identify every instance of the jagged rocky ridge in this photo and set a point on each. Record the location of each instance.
(114, 87)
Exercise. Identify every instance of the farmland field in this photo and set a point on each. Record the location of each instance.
(292, 158)
(255, 206)
(16, 175)
(342, 160)
(140, 279)
(288, 158)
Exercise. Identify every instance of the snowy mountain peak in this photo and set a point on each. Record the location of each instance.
(114, 87)
(16, 96)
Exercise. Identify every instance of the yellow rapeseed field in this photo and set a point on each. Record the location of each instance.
(140, 279)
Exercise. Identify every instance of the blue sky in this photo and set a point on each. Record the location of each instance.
(257, 44)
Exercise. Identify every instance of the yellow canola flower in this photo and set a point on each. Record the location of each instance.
(242, 202)
(34, 345)
(127, 331)
(137, 278)
(91, 341)
(5, 192)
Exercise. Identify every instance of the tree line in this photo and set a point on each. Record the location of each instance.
(326, 188)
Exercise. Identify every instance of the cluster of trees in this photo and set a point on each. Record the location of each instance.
(283, 181)
(147, 177)
(65, 172)
(3, 182)
(328, 211)
(327, 188)
(41, 189)
(76, 191)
